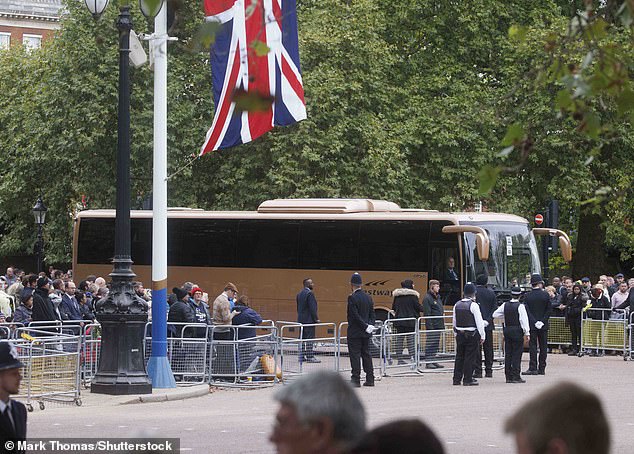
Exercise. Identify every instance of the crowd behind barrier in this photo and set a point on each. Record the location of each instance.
(60, 357)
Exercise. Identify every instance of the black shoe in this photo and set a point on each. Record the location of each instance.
(457, 383)
(516, 380)
(438, 366)
(470, 383)
(488, 374)
(431, 366)
(529, 372)
(572, 353)
(312, 360)
(477, 375)
(355, 383)
(541, 372)
(368, 383)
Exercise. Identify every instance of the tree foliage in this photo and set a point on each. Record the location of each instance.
(430, 104)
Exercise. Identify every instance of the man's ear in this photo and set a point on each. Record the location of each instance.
(322, 432)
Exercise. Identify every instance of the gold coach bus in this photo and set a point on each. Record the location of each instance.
(267, 253)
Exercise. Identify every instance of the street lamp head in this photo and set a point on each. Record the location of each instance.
(96, 7)
(150, 8)
(39, 212)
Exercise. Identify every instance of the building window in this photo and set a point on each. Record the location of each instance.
(32, 41)
(5, 40)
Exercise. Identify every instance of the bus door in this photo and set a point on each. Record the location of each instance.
(447, 269)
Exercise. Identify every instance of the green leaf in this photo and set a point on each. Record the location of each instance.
(260, 48)
(251, 101)
(518, 33)
(625, 101)
(592, 124)
(488, 176)
(204, 37)
(597, 29)
(514, 134)
(563, 100)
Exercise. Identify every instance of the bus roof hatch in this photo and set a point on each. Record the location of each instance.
(333, 206)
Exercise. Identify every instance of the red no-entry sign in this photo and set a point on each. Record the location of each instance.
(539, 219)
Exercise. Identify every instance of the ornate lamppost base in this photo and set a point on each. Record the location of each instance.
(121, 363)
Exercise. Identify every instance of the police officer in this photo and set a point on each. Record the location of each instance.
(469, 328)
(538, 308)
(12, 412)
(360, 329)
(515, 328)
(486, 299)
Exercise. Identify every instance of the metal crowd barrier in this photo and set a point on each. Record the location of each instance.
(437, 345)
(244, 359)
(631, 333)
(400, 334)
(61, 356)
(558, 332)
(52, 366)
(377, 349)
(299, 355)
(600, 333)
(498, 341)
(8, 330)
(186, 350)
(90, 351)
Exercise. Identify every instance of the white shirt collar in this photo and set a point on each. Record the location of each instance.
(4, 405)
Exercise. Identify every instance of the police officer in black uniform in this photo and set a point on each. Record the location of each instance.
(515, 328)
(486, 299)
(360, 329)
(538, 307)
(12, 412)
(469, 328)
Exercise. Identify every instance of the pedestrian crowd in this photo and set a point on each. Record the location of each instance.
(48, 297)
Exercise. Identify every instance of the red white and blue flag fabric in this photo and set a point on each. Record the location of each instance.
(237, 67)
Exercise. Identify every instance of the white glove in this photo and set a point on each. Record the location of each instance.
(486, 323)
(539, 325)
(370, 329)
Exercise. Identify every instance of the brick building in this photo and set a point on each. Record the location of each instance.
(28, 21)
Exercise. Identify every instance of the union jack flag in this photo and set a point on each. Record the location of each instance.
(236, 66)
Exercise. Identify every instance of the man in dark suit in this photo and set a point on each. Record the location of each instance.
(486, 299)
(451, 282)
(69, 305)
(538, 308)
(12, 412)
(360, 329)
(307, 314)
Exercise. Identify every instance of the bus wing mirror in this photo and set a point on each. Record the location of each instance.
(564, 241)
(482, 237)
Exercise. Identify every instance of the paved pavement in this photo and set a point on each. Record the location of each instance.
(468, 419)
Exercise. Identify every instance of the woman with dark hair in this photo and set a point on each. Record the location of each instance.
(575, 302)
(84, 307)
